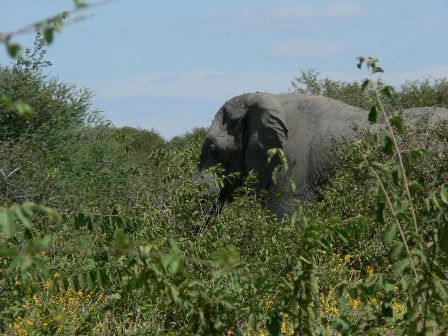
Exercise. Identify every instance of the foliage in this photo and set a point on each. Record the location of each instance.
(183, 140)
(128, 244)
(417, 93)
(49, 104)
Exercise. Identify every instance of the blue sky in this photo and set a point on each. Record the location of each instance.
(169, 65)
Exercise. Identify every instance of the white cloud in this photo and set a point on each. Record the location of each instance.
(195, 84)
(268, 16)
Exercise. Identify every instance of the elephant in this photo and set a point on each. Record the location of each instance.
(305, 127)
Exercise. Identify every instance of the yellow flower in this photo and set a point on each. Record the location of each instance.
(35, 298)
(370, 270)
(347, 258)
(47, 284)
(80, 294)
(397, 307)
(285, 328)
(354, 304)
(59, 330)
(56, 275)
(268, 304)
(328, 307)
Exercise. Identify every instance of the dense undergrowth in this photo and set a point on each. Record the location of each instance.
(103, 231)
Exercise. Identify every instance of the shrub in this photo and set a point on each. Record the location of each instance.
(132, 230)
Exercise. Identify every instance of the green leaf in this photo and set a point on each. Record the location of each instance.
(396, 250)
(79, 4)
(24, 110)
(342, 233)
(389, 287)
(73, 284)
(252, 321)
(435, 201)
(100, 281)
(7, 223)
(58, 20)
(444, 195)
(361, 60)
(379, 211)
(397, 175)
(371, 62)
(398, 123)
(122, 240)
(373, 114)
(218, 324)
(314, 284)
(49, 34)
(228, 256)
(387, 91)
(40, 243)
(441, 287)
(377, 69)
(438, 273)
(24, 219)
(444, 238)
(365, 84)
(5, 102)
(81, 281)
(371, 280)
(400, 266)
(175, 294)
(380, 167)
(386, 309)
(342, 302)
(342, 324)
(404, 283)
(419, 253)
(171, 261)
(390, 233)
(388, 145)
(430, 324)
(273, 324)
(13, 49)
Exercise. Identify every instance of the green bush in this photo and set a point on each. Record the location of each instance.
(131, 246)
(417, 93)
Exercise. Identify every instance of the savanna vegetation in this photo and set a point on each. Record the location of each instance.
(103, 231)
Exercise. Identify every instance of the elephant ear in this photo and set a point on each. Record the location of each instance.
(264, 128)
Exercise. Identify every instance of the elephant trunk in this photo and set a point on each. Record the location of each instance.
(207, 180)
(210, 190)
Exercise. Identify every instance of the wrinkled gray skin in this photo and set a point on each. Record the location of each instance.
(247, 126)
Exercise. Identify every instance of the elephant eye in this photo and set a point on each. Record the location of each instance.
(212, 147)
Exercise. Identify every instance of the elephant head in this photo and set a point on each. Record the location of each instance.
(243, 131)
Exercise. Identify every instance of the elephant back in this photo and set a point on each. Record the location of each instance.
(432, 115)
